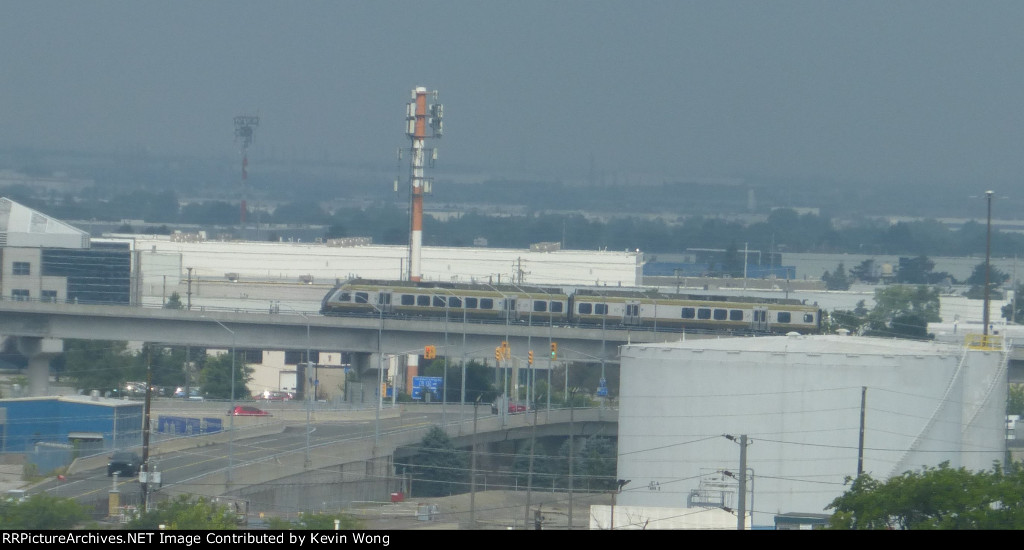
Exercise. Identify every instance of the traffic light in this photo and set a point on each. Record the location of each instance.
(531, 357)
(498, 354)
(429, 352)
(554, 350)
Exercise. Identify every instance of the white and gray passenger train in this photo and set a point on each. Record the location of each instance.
(578, 307)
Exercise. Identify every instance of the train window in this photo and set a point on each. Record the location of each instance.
(454, 301)
(540, 306)
(808, 317)
(439, 301)
(783, 317)
(344, 297)
(735, 314)
(383, 299)
(408, 299)
(601, 309)
(362, 298)
(423, 301)
(486, 303)
(633, 309)
(470, 303)
(721, 314)
(688, 313)
(556, 307)
(585, 309)
(704, 313)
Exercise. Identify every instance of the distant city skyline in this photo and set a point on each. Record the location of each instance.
(917, 92)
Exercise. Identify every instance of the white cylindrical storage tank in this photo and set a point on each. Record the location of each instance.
(798, 400)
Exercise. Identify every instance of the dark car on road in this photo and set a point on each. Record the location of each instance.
(124, 463)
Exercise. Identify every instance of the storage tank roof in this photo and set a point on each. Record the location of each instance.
(822, 344)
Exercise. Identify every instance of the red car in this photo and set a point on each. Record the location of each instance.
(243, 410)
(512, 408)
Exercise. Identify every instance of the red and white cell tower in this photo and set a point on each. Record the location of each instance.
(245, 125)
(418, 116)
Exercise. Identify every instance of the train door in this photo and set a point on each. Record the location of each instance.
(631, 315)
(510, 312)
(384, 301)
(759, 321)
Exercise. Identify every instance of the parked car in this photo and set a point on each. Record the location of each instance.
(243, 410)
(512, 408)
(193, 393)
(274, 395)
(124, 463)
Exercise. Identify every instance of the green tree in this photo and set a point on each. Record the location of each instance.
(187, 512)
(316, 522)
(915, 271)
(865, 271)
(904, 311)
(934, 498)
(167, 363)
(1015, 401)
(977, 281)
(215, 377)
(837, 280)
(42, 511)
(596, 463)
(98, 364)
(479, 380)
(438, 469)
(1008, 310)
(174, 302)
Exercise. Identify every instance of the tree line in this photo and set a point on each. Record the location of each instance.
(387, 222)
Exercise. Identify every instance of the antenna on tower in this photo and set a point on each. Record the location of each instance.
(245, 126)
(418, 116)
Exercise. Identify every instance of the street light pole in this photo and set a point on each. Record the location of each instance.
(309, 403)
(380, 375)
(231, 417)
(988, 255)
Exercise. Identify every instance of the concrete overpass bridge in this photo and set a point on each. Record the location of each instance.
(36, 329)
(288, 476)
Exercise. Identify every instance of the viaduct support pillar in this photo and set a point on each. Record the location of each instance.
(39, 352)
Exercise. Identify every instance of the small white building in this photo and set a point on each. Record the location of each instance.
(798, 400)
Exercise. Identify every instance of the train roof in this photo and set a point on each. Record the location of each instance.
(655, 294)
(454, 286)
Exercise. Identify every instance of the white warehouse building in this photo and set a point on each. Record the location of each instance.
(798, 399)
(165, 260)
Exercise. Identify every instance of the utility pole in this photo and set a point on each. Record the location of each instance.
(741, 508)
(145, 430)
(988, 255)
(472, 469)
(189, 291)
(860, 445)
(529, 474)
(572, 410)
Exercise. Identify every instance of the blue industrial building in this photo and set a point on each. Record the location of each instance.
(53, 431)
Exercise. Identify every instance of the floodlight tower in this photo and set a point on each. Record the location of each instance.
(418, 116)
(245, 125)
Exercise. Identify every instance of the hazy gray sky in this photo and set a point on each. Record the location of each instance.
(914, 91)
